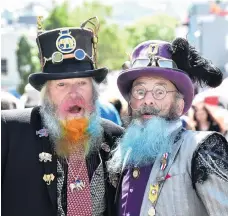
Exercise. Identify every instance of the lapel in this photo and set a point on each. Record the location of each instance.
(157, 176)
(50, 167)
(98, 192)
(97, 174)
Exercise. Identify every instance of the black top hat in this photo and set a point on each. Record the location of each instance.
(67, 53)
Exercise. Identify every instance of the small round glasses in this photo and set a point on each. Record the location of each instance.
(158, 92)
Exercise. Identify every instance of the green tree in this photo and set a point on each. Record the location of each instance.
(159, 27)
(27, 61)
(59, 17)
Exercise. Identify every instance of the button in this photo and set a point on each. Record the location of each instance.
(136, 173)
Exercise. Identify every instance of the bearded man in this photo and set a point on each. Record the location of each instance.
(53, 156)
(162, 168)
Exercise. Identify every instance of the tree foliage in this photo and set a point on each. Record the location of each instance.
(158, 27)
(27, 61)
(59, 17)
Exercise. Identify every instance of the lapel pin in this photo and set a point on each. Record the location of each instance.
(48, 178)
(42, 132)
(45, 157)
(78, 184)
(164, 161)
(136, 173)
(105, 147)
(151, 211)
(163, 178)
(153, 194)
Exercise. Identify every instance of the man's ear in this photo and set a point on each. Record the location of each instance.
(180, 106)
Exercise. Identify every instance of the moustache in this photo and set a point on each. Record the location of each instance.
(148, 110)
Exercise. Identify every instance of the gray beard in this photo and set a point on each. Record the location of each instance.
(50, 120)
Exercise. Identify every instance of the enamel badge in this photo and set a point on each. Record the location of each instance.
(48, 178)
(78, 184)
(164, 161)
(153, 194)
(45, 157)
(153, 49)
(105, 147)
(42, 132)
(151, 211)
(65, 43)
(135, 173)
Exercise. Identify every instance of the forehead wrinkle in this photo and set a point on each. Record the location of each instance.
(144, 83)
(138, 83)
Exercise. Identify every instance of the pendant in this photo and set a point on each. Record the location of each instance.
(78, 184)
(151, 211)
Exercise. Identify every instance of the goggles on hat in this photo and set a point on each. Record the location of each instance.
(79, 54)
(157, 62)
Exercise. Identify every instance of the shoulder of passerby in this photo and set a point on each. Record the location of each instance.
(112, 132)
(112, 128)
(210, 172)
(16, 115)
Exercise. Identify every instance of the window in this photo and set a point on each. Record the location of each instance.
(4, 67)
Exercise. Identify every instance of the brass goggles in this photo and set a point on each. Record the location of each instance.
(79, 54)
(156, 62)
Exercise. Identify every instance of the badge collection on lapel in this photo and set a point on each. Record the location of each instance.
(45, 157)
(154, 188)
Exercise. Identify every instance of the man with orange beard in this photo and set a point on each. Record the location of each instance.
(53, 156)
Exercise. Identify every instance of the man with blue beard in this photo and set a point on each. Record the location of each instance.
(54, 155)
(158, 167)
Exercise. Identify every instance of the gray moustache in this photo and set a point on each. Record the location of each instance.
(146, 110)
(149, 110)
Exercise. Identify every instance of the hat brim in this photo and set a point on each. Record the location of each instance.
(37, 80)
(178, 77)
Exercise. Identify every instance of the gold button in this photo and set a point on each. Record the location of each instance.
(136, 173)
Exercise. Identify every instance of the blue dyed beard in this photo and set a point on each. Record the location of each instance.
(143, 142)
(95, 131)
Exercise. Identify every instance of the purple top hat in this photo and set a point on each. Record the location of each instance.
(154, 58)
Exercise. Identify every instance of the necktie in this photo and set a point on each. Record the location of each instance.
(78, 189)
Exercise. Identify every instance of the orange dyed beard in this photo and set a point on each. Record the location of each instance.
(74, 136)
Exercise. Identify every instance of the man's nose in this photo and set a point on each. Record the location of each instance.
(74, 90)
(148, 99)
